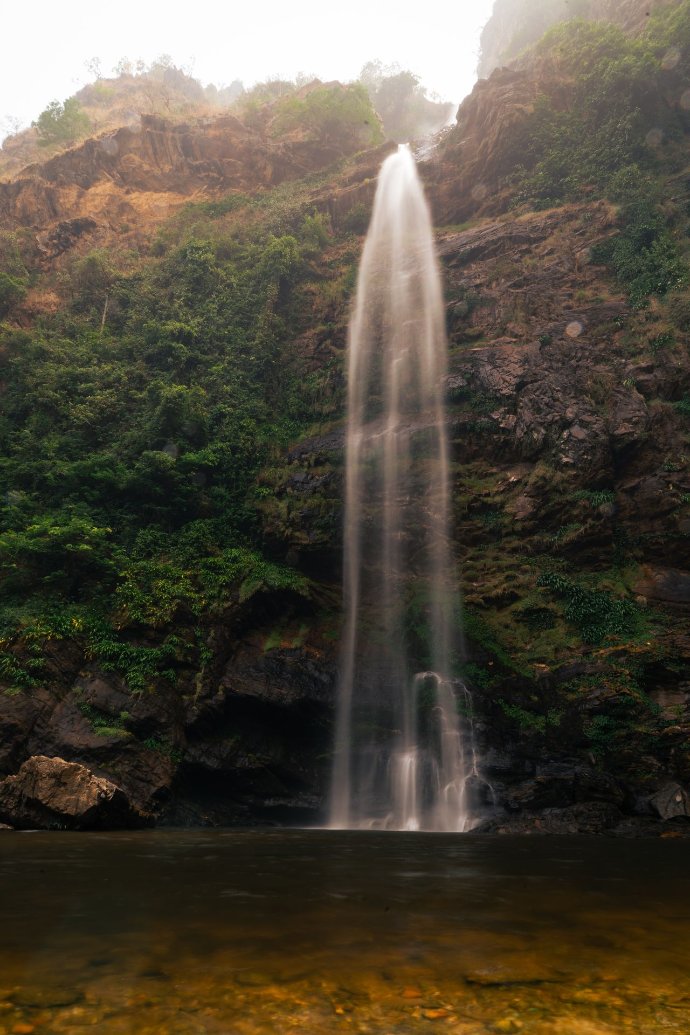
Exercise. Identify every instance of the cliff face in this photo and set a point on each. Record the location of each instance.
(118, 187)
(529, 131)
(516, 24)
(149, 440)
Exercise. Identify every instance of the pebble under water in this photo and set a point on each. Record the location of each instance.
(257, 932)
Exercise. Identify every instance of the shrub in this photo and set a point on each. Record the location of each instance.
(596, 614)
(62, 123)
(334, 115)
(12, 291)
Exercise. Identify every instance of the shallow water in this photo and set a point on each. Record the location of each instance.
(249, 933)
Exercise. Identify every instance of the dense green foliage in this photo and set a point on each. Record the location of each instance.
(129, 452)
(644, 255)
(62, 123)
(14, 277)
(616, 113)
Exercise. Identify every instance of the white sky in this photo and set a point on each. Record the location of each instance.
(47, 43)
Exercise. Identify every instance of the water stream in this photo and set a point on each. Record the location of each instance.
(403, 757)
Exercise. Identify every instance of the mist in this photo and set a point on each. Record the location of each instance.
(251, 44)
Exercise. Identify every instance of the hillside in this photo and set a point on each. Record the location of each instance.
(516, 25)
(175, 299)
(138, 96)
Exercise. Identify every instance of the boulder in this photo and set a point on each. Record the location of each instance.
(671, 801)
(50, 793)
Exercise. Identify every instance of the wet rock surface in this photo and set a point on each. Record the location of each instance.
(52, 793)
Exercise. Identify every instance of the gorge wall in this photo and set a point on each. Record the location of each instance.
(173, 450)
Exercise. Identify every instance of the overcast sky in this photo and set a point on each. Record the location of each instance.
(47, 44)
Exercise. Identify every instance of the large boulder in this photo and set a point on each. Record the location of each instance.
(671, 801)
(50, 793)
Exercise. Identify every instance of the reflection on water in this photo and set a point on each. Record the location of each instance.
(322, 931)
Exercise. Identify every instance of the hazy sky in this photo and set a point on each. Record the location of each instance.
(47, 43)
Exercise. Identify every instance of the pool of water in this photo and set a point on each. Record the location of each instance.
(250, 933)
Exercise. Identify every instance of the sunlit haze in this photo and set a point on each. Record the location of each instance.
(48, 46)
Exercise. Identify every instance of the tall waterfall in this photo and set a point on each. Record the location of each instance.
(402, 755)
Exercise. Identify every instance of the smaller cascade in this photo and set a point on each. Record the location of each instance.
(404, 753)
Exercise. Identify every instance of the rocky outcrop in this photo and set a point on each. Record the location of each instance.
(484, 156)
(516, 24)
(125, 183)
(50, 793)
(671, 802)
(245, 742)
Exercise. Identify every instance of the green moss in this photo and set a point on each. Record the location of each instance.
(104, 724)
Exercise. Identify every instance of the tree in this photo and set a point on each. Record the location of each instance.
(402, 103)
(62, 123)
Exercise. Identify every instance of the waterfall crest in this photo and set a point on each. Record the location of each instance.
(403, 753)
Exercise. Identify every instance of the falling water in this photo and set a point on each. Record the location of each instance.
(403, 755)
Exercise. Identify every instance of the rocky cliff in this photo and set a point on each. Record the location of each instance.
(121, 185)
(516, 24)
(173, 450)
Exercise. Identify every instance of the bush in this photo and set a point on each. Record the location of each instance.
(334, 115)
(12, 291)
(595, 614)
(62, 123)
(643, 255)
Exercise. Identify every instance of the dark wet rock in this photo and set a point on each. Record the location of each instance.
(64, 236)
(593, 817)
(650, 826)
(559, 785)
(666, 584)
(68, 731)
(49, 793)
(152, 714)
(671, 801)
(20, 713)
(673, 703)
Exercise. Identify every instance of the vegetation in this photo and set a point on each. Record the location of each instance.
(130, 451)
(596, 614)
(402, 103)
(62, 123)
(331, 114)
(600, 141)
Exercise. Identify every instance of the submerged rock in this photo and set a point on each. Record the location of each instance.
(49, 793)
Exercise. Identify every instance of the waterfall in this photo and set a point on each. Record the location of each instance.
(403, 754)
